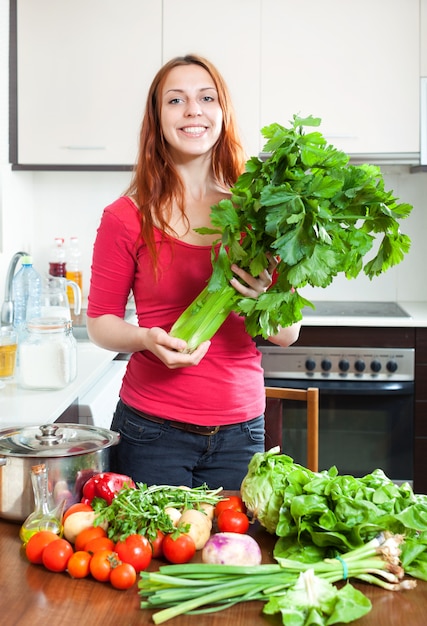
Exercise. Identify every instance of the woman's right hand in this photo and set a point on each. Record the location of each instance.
(171, 350)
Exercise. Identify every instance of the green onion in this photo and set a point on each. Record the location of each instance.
(202, 588)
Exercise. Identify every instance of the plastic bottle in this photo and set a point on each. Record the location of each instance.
(27, 286)
(74, 270)
(57, 259)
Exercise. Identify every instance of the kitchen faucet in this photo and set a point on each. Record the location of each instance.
(7, 306)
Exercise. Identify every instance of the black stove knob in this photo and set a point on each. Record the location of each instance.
(392, 367)
(359, 365)
(344, 365)
(375, 366)
(310, 365)
(326, 365)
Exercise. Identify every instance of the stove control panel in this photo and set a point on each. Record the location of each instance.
(320, 363)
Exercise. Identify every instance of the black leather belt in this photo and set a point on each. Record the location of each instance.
(190, 428)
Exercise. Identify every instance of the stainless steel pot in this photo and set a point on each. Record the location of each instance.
(72, 454)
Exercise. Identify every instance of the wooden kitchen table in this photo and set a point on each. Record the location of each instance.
(29, 594)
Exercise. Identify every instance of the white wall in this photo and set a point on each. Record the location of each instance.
(35, 207)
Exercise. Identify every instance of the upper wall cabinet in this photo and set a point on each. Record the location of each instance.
(354, 64)
(227, 32)
(83, 70)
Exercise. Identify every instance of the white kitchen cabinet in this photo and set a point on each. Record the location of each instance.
(355, 64)
(227, 32)
(83, 70)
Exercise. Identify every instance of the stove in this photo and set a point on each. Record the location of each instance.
(349, 364)
(325, 308)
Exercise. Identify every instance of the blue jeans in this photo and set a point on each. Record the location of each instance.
(158, 454)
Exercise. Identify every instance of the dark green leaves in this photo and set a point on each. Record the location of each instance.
(308, 206)
(319, 214)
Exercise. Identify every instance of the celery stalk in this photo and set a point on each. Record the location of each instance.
(202, 318)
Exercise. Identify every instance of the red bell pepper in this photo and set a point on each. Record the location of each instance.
(105, 485)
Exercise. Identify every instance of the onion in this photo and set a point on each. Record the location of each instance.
(231, 549)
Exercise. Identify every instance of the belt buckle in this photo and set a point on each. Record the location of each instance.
(213, 430)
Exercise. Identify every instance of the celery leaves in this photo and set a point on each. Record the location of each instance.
(309, 207)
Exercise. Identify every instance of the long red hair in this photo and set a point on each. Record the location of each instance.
(155, 182)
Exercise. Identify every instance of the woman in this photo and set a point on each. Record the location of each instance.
(184, 419)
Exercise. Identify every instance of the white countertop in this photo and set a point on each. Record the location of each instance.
(28, 407)
(416, 310)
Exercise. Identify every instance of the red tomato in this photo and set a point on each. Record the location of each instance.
(232, 502)
(76, 508)
(37, 543)
(99, 543)
(178, 550)
(156, 545)
(230, 521)
(57, 554)
(123, 576)
(101, 564)
(79, 564)
(136, 550)
(86, 535)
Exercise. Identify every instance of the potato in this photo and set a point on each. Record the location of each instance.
(76, 522)
(174, 514)
(200, 526)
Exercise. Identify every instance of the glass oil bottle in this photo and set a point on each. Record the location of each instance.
(46, 515)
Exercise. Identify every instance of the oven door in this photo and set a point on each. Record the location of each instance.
(362, 426)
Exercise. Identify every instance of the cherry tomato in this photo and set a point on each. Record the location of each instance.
(231, 521)
(178, 549)
(57, 554)
(37, 543)
(136, 550)
(99, 543)
(123, 576)
(87, 535)
(101, 564)
(231, 502)
(156, 545)
(79, 564)
(76, 508)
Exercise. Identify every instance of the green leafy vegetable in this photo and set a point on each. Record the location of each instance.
(307, 206)
(141, 510)
(313, 513)
(313, 600)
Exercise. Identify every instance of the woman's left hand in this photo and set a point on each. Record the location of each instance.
(255, 285)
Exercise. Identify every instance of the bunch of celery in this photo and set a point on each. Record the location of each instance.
(297, 590)
(307, 206)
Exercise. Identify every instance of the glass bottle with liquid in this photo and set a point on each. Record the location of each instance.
(74, 269)
(46, 515)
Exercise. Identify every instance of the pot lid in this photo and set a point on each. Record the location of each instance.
(55, 440)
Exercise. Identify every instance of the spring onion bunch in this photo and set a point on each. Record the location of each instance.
(286, 586)
(313, 211)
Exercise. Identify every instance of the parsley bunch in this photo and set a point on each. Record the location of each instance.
(316, 213)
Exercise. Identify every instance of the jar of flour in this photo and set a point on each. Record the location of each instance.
(47, 355)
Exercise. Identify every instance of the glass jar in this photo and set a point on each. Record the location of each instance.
(47, 355)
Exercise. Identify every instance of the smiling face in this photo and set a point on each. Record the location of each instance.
(191, 116)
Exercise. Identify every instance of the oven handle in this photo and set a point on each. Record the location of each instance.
(346, 388)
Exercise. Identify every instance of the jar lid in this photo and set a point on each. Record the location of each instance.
(55, 440)
(49, 324)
